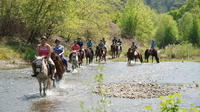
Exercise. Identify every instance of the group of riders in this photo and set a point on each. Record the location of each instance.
(43, 49)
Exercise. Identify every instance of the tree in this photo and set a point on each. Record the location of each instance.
(167, 32)
(137, 20)
(194, 36)
(185, 24)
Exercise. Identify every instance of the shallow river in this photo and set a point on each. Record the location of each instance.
(19, 92)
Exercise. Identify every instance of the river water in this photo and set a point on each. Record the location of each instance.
(19, 91)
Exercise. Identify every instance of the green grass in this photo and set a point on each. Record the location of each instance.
(16, 51)
(185, 51)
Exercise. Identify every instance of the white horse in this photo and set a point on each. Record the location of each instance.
(40, 68)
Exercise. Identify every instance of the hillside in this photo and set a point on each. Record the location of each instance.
(164, 5)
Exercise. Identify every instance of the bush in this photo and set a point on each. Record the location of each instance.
(171, 103)
(181, 51)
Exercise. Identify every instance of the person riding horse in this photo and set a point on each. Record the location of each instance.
(114, 41)
(59, 49)
(80, 43)
(133, 47)
(119, 43)
(101, 45)
(152, 45)
(89, 45)
(75, 48)
(44, 50)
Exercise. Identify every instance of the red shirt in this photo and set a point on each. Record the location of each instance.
(75, 47)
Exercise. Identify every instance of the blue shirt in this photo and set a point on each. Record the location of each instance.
(153, 44)
(101, 45)
(89, 44)
(58, 49)
(134, 47)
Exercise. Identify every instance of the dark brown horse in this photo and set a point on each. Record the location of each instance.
(89, 55)
(81, 55)
(60, 67)
(153, 53)
(116, 50)
(101, 54)
(134, 55)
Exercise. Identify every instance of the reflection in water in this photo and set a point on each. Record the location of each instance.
(44, 106)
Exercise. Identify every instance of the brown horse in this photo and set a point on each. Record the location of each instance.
(133, 55)
(60, 68)
(153, 53)
(116, 50)
(81, 56)
(89, 55)
(101, 53)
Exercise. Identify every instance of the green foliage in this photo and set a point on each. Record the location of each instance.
(164, 5)
(137, 20)
(184, 50)
(185, 25)
(167, 32)
(171, 103)
(194, 36)
(191, 6)
(16, 51)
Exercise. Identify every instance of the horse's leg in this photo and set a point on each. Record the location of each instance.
(147, 58)
(54, 83)
(44, 88)
(40, 88)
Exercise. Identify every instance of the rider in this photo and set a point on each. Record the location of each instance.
(75, 46)
(59, 49)
(152, 45)
(133, 46)
(114, 41)
(101, 45)
(44, 49)
(90, 44)
(80, 42)
(119, 42)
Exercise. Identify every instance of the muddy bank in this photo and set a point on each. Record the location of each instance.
(13, 64)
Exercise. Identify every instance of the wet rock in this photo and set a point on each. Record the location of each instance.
(136, 90)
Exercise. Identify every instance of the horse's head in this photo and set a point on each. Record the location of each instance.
(39, 64)
(55, 57)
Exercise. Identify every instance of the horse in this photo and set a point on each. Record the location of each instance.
(60, 67)
(114, 50)
(81, 55)
(133, 55)
(153, 53)
(74, 60)
(89, 55)
(101, 53)
(40, 67)
(118, 49)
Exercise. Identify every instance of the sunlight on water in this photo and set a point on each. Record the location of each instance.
(75, 71)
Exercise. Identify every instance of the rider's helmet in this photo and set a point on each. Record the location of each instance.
(44, 37)
(57, 40)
